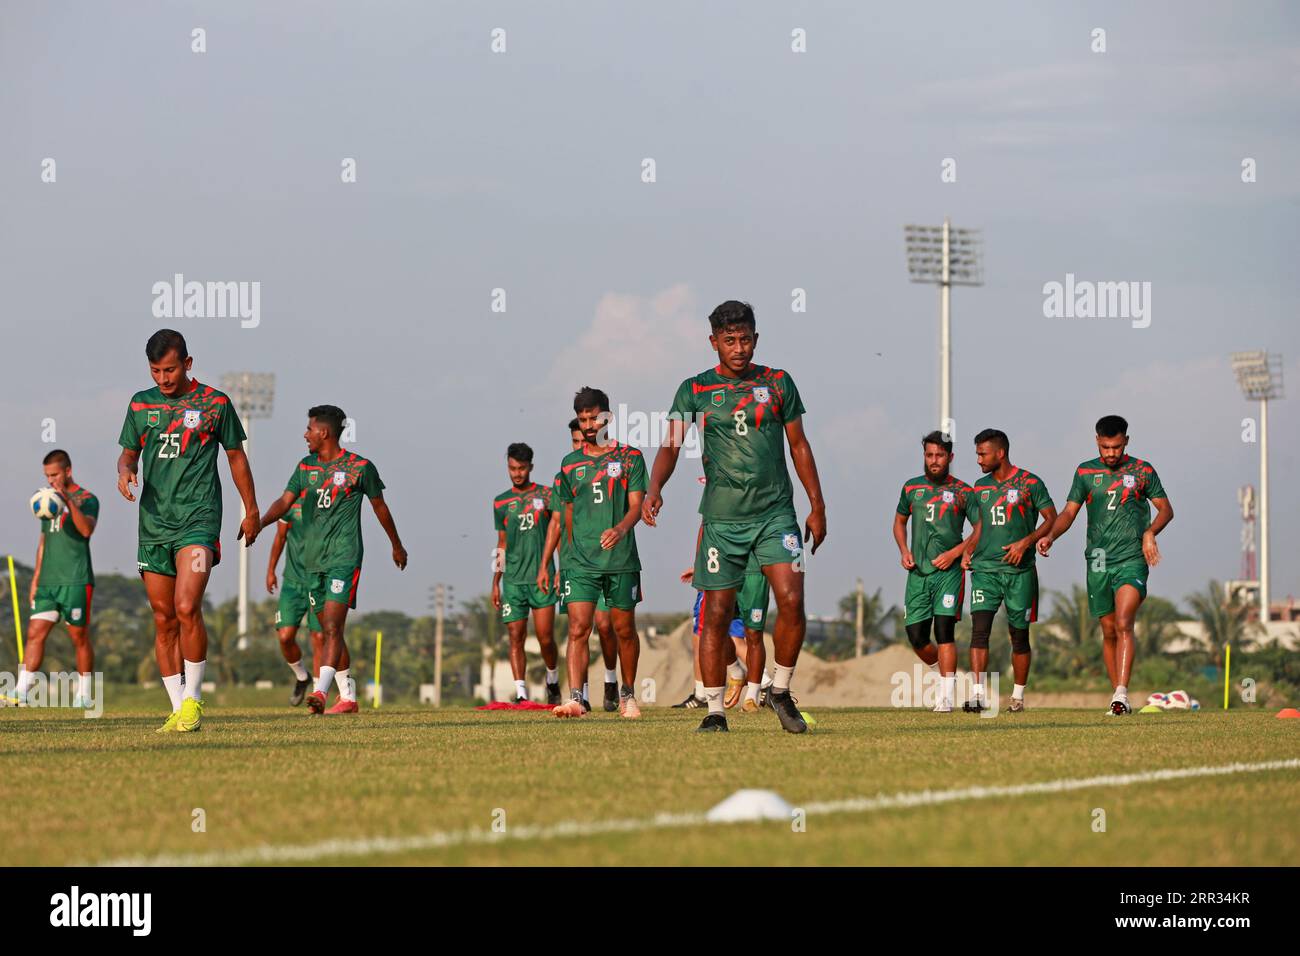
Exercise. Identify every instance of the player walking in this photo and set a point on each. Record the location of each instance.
(936, 502)
(522, 516)
(176, 427)
(1005, 504)
(604, 483)
(293, 605)
(64, 581)
(745, 413)
(1121, 544)
(330, 482)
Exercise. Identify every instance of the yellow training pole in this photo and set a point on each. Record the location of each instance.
(1227, 665)
(18, 624)
(379, 644)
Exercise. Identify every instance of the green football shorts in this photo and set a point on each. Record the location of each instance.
(936, 593)
(1102, 585)
(1018, 590)
(518, 599)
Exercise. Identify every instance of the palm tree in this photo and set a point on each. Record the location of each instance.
(1223, 619)
(1071, 629)
(1155, 626)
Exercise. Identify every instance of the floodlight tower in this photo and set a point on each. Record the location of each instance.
(1259, 374)
(944, 256)
(253, 394)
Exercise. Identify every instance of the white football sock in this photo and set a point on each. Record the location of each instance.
(713, 695)
(977, 692)
(343, 680)
(84, 686)
(24, 681)
(174, 690)
(584, 692)
(949, 687)
(1018, 692)
(781, 679)
(699, 690)
(751, 691)
(552, 675)
(521, 689)
(194, 678)
(325, 680)
(735, 671)
(767, 680)
(1121, 692)
(299, 671)
(611, 677)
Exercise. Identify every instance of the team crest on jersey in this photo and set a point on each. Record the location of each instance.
(919, 494)
(152, 419)
(949, 600)
(1013, 495)
(514, 506)
(312, 476)
(791, 543)
(336, 586)
(538, 504)
(76, 614)
(340, 478)
(947, 497)
(761, 394)
(192, 418)
(614, 469)
(1096, 479)
(756, 615)
(581, 473)
(984, 496)
(1129, 481)
(719, 397)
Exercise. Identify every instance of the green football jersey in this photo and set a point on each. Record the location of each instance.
(178, 439)
(938, 512)
(742, 421)
(1117, 502)
(331, 492)
(66, 561)
(524, 516)
(598, 487)
(295, 575)
(1008, 511)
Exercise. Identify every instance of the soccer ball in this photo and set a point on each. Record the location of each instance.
(46, 503)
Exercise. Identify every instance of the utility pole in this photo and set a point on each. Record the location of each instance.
(858, 641)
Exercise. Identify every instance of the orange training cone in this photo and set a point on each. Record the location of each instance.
(1288, 712)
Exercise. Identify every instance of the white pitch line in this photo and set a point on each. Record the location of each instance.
(378, 846)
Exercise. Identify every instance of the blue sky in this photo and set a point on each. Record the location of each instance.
(775, 170)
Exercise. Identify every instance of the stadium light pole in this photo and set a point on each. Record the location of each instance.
(254, 395)
(1260, 376)
(944, 256)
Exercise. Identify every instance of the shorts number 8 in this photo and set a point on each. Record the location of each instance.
(713, 564)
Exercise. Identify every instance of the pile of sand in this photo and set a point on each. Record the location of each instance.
(890, 677)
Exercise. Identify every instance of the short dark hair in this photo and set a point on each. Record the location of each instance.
(331, 415)
(164, 341)
(520, 452)
(996, 436)
(58, 457)
(589, 397)
(731, 313)
(573, 426)
(936, 437)
(1111, 426)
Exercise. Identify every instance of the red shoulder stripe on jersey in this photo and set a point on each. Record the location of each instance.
(577, 464)
(141, 406)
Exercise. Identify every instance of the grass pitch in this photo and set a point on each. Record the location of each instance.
(412, 786)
